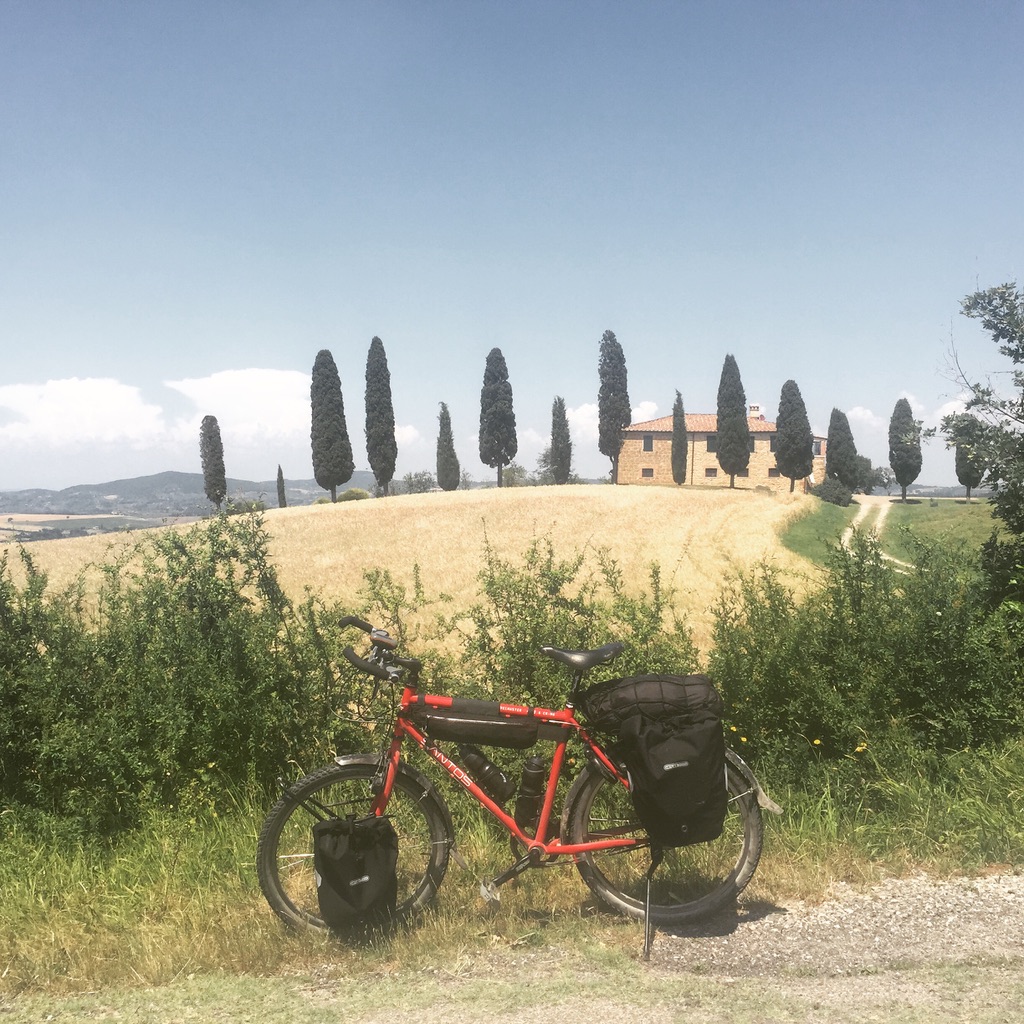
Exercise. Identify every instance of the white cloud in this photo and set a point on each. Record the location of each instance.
(645, 411)
(583, 422)
(916, 406)
(866, 420)
(949, 408)
(408, 436)
(73, 430)
(76, 413)
(252, 406)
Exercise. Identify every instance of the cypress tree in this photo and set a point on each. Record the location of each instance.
(613, 412)
(733, 426)
(381, 446)
(969, 469)
(498, 443)
(794, 442)
(904, 445)
(841, 452)
(281, 500)
(332, 450)
(447, 461)
(560, 452)
(211, 452)
(679, 441)
(967, 432)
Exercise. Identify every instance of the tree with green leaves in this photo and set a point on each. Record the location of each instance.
(420, 482)
(680, 441)
(282, 501)
(447, 461)
(381, 446)
(332, 451)
(560, 452)
(794, 442)
(866, 478)
(904, 445)
(613, 411)
(1000, 439)
(211, 452)
(498, 442)
(882, 476)
(841, 452)
(965, 433)
(733, 426)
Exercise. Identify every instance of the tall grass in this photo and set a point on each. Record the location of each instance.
(179, 898)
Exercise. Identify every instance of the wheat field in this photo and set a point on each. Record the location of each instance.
(697, 536)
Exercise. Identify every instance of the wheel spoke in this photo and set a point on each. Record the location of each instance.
(690, 881)
(285, 855)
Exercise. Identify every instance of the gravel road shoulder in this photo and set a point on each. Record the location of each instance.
(906, 951)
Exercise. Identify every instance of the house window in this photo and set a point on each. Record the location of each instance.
(710, 471)
(648, 442)
(647, 474)
(712, 442)
(771, 442)
(774, 471)
(817, 448)
(744, 472)
(751, 442)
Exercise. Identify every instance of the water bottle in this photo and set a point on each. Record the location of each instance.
(535, 774)
(491, 779)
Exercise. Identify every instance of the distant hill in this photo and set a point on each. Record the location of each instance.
(160, 496)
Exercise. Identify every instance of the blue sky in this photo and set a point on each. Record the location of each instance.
(200, 196)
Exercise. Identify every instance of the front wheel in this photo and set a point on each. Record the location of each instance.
(692, 881)
(284, 852)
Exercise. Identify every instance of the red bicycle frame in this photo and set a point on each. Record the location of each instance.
(537, 845)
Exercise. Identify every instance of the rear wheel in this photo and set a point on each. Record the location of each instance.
(284, 852)
(692, 881)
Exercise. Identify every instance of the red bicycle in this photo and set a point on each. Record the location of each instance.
(597, 827)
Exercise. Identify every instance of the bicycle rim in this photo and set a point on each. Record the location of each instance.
(285, 853)
(691, 881)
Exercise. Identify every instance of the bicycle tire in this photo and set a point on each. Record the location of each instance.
(284, 850)
(692, 882)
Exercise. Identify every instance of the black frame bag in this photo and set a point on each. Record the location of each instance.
(667, 730)
(356, 872)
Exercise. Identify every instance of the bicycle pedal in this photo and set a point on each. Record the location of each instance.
(489, 891)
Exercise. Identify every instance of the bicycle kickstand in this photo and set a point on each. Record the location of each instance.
(489, 889)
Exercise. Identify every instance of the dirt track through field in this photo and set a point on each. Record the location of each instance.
(868, 505)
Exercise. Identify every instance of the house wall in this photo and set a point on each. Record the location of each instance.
(637, 466)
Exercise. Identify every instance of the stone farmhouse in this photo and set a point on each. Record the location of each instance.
(646, 454)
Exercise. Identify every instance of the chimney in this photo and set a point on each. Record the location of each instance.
(755, 412)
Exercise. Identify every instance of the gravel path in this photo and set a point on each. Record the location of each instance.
(897, 924)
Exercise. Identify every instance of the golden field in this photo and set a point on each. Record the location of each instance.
(697, 536)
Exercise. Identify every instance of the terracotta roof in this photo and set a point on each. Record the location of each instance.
(698, 423)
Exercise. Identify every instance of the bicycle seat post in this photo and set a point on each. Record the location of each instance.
(577, 685)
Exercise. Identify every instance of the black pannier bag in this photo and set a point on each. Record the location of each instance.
(467, 720)
(355, 860)
(667, 730)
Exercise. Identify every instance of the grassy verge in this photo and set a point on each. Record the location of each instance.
(940, 521)
(816, 532)
(179, 900)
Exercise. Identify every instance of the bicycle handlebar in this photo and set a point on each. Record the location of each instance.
(377, 671)
(352, 620)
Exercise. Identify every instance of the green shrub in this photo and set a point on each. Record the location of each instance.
(570, 603)
(194, 676)
(353, 494)
(879, 657)
(834, 492)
